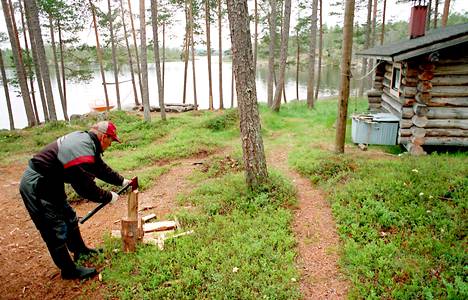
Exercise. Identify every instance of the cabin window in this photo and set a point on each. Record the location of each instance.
(396, 80)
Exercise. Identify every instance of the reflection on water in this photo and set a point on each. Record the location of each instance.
(81, 96)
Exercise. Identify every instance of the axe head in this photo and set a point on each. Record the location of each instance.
(134, 183)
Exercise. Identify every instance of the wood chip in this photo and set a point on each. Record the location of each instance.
(159, 226)
(148, 217)
(116, 234)
(146, 208)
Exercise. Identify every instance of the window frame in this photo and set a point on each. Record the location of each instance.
(395, 84)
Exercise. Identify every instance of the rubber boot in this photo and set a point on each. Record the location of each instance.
(76, 245)
(67, 267)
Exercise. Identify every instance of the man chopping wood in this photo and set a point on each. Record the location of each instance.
(76, 159)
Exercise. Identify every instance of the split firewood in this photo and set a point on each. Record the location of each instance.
(148, 217)
(159, 226)
(146, 208)
(362, 147)
(154, 241)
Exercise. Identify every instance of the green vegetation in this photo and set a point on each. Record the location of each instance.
(402, 220)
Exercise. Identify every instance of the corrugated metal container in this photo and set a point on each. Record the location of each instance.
(375, 129)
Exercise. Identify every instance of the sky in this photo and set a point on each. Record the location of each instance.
(395, 12)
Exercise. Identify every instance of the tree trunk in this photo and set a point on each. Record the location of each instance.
(256, 37)
(220, 56)
(283, 55)
(374, 22)
(382, 34)
(29, 71)
(154, 20)
(62, 63)
(33, 14)
(163, 56)
(312, 46)
(186, 52)
(208, 53)
(436, 13)
(363, 83)
(428, 16)
(137, 56)
(114, 57)
(319, 66)
(271, 54)
(129, 53)
(298, 50)
(345, 76)
(144, 62)
(232, 86)
(38, 73)
(17, 57)
(7, 93)
(446, 13)
(56, 67)
(99, 54)
(252, 143)
(192, 44)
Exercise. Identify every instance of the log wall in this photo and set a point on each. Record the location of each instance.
(440, 104)
(433, 101)
(374, 95)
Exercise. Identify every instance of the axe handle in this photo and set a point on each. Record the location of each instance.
(92, 212)
(100, 206)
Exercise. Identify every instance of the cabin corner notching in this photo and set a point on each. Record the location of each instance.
(423, 82)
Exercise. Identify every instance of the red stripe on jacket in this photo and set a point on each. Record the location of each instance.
(79, 160)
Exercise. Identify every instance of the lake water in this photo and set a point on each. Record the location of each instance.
(81, 95)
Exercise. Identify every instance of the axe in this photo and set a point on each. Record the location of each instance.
(133, 184)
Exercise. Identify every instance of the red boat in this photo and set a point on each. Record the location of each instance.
(101, 107)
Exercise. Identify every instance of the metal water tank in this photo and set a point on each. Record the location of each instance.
(375, 129)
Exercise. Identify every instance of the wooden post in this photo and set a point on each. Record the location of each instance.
(130, 231)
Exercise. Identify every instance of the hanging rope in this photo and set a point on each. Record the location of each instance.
(119, 81)
(371, 71)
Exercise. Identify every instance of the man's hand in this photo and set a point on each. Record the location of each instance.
(115, 197)
(125, 182)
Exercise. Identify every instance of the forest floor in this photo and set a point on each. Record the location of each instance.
(27, 271)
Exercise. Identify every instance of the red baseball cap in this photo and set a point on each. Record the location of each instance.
(108, 128)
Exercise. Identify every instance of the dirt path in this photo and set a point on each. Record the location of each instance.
(316, 236)
(26, 269)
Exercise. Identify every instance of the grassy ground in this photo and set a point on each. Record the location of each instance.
(402, 219)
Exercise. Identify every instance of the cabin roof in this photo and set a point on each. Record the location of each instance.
(433, 40)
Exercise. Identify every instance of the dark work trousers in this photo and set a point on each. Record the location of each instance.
(47, 204)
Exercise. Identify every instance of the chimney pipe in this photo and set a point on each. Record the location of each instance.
(417, 24)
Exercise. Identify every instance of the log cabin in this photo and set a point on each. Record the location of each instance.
(424, 82)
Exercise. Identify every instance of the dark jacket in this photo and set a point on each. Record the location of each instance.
(76, 159)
